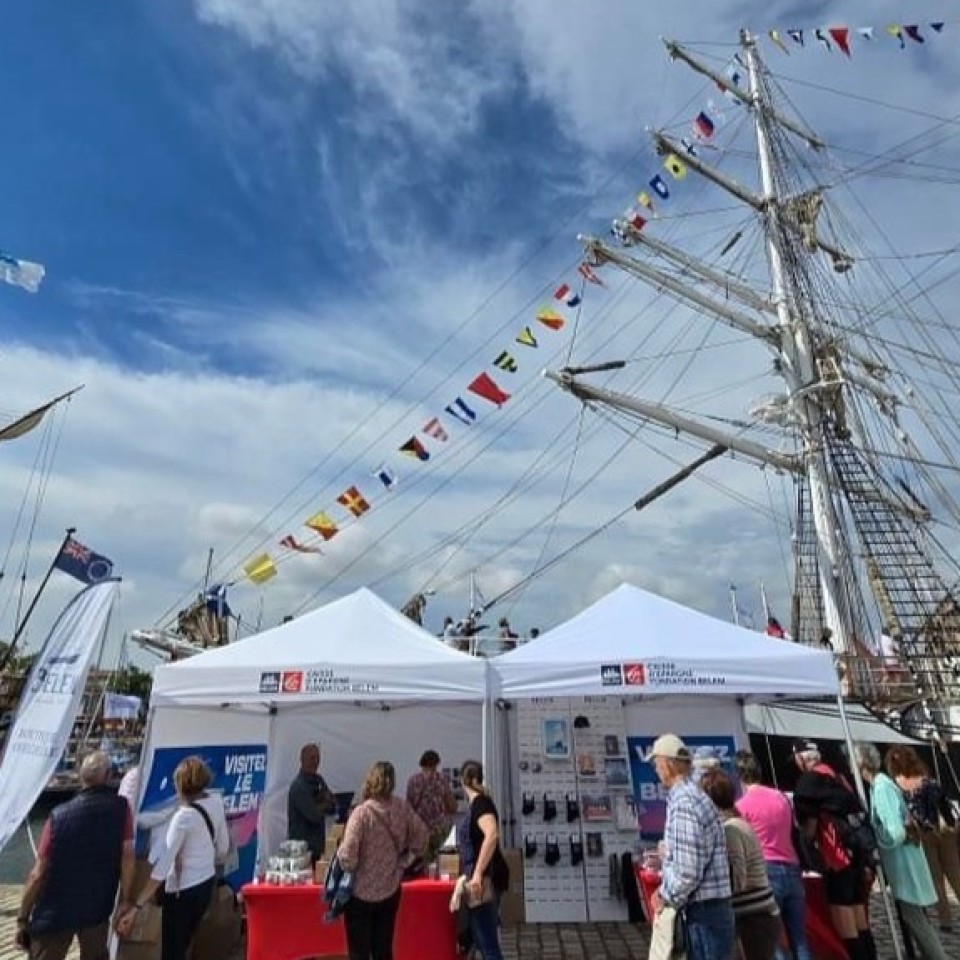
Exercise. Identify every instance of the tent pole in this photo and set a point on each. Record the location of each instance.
(766, 742)
(861, 790)
(261, 813)
(485, 732)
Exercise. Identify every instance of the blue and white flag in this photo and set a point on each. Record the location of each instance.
(21, 273)
(215, 599)
(386, 476)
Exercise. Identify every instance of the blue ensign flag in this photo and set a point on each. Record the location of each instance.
(82, 563)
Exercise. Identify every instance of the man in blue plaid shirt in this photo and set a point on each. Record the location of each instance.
(696, 873)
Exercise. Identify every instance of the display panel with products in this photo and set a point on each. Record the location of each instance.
(573, 781)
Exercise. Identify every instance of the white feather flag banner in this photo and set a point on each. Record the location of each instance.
(50, 702)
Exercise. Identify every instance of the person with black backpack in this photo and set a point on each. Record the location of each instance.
(835, 832)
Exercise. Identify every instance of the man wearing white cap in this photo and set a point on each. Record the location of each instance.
(696, 872)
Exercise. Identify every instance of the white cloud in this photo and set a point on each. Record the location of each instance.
(388, 49)
(156, 467)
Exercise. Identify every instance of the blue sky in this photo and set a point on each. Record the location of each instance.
(271, 227)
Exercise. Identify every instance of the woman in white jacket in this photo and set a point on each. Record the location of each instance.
(197, 840)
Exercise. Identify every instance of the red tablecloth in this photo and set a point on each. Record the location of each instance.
(286, 923)
(821, 937)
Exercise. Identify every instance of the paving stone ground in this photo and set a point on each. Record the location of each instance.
(552, 941)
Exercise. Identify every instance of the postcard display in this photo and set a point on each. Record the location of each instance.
(576, 806)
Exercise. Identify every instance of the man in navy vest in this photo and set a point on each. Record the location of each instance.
(85, 850)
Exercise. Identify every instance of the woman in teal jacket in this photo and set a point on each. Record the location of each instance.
(903, 859)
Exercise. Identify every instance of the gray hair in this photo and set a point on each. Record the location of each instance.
(95, 769)
(867, 757)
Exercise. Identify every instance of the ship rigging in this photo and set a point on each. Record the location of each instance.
(867, 562)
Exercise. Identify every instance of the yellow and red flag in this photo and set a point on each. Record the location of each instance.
(352, 500)
(322, 523)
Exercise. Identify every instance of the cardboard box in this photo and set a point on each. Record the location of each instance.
(320, 871)
(336, 832)
(146, 925)
(138, 951)
(449, 864)
(512, 909)
(514, 860)
(330, 847)
(220, 930)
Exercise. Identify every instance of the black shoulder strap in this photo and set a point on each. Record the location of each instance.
(206, 819)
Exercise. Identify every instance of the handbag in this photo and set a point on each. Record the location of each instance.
(668, 937)
(337, 889)
(487, 894)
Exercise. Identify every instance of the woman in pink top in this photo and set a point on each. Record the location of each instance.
(382, 832)
(769, 812)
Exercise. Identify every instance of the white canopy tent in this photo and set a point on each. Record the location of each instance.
(639, 647)
(634, 643)
(355, 675)
(357, 648)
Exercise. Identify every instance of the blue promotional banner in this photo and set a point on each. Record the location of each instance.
(239, 776)
(650, 795)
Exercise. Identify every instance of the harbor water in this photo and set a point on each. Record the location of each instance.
(17, 857)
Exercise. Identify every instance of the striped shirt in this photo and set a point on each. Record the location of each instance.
(748, 870)
(695, 864)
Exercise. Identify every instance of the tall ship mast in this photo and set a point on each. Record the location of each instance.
(871, 577)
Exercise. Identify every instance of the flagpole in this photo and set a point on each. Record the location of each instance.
(208, 573)
(733, 604)
(8, 656)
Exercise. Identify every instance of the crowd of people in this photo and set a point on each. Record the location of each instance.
(732, 855)
(84, 883)
(385, 833)
(467, 636)
(731, 882)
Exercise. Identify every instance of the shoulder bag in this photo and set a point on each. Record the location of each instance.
(337, 889)
(213, 839)
(668, 937)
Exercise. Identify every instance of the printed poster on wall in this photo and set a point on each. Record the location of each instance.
(239, 776)
(650, 794)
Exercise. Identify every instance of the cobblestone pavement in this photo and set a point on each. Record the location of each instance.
(555, 941)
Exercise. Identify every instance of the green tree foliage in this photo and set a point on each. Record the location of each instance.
(133, 681)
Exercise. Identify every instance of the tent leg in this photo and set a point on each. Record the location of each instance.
(884, 889)
(259, 861)
(485, 733)
(766, 742)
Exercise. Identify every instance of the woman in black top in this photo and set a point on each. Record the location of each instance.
(490, 876)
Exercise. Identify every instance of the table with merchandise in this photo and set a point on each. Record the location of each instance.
(287, 922)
